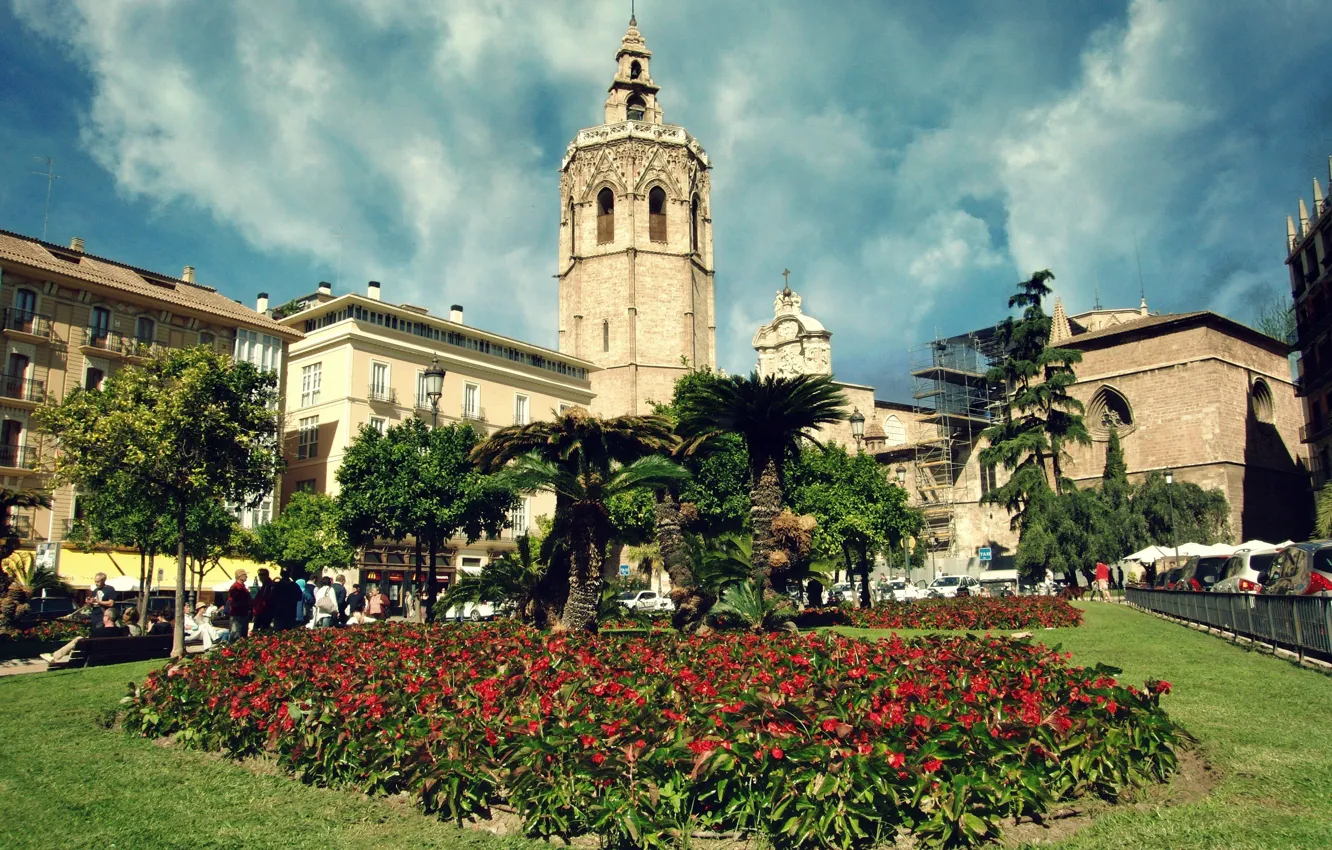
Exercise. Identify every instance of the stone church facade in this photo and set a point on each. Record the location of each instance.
(635, 254)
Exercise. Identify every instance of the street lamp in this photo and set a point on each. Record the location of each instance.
(1170, 497)
(857, 426)
(906, 552)
(433, 382)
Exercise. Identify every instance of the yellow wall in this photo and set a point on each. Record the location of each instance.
(78, 568)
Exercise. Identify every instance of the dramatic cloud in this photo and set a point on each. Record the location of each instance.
(908, 164)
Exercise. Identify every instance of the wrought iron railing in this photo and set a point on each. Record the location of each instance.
(25, 321)
(22, 389)
(122, 344)
(19, 457)
(381, 393)
(1301, 624)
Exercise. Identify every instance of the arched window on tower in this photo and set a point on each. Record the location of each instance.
(657, 214)
(1108, 410)
(636, 108)
(605, 216)
(693, 224)
(573, 229)
(635, 70)
(605, 335)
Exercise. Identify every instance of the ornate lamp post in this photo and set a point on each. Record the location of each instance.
(1170, 498)
(906, 552)
(857, 426)
(433, 381)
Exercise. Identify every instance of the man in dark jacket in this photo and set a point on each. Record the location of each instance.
(355, 601)
(263, 602)
(286, 599)
(340, 588)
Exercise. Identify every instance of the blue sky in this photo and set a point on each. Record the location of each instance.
(908, 161)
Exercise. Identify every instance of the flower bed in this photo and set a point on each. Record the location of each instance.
(976, 612)
(55, 630)
(809, 741)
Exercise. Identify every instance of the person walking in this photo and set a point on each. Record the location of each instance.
(377, 605)
(1103, 581)
(263, 601)
(325, 605)
(355, 602)
(340, 590)
(286, 600)
(239, 603)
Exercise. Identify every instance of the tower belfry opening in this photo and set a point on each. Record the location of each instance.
(645, 269)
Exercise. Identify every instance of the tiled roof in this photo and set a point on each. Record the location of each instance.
(191, 297)
(1159, 322)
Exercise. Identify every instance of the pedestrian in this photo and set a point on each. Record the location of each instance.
(340, 590)
(307, 601)
(325, 605)
(241, 607)
(263, 602)
(355, 602)
(1119, 576)
(1103, 581)
(286, 600)
(102, 598)
(301, 612)
(376, 605)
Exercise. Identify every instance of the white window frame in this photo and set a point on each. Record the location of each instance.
(380, 388)
(379, 423)
(474, 410)
(522, 409)
(312, 380)
(520, 517)
(307, 438)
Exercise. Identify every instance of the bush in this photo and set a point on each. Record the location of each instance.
(975, 612)
(48, 631)
(809, 741)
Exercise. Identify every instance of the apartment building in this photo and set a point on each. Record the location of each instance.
(70, 319)
(362, 363)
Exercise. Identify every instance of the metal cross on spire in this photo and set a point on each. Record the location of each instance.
(51, 177)
(786, 275)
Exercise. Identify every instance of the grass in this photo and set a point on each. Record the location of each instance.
(1262, 722)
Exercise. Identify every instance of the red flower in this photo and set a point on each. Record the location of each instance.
(896, 759)
(598, 758)
(777, 753)
(587, 741)
(931, 765)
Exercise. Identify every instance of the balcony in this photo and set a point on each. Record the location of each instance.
(423, 403)
(1314, 431)
(101, 342)
(475, 415)
(22, 524)
(380, 394)
(26, 325)
(22, 458)
(20, 392)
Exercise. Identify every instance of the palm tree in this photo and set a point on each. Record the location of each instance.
(26, 579)
(509, 581)
(580, 457)
(772, 415)
(758, 612)
(9, 500)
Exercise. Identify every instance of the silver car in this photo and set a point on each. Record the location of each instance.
(1246, 571)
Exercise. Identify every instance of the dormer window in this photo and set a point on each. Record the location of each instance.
(636, 108)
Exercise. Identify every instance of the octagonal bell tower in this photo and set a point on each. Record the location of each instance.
(635, 258)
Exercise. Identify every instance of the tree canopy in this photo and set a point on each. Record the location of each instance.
(307, 537)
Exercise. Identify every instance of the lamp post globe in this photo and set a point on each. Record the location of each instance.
(433, 382)
(857, 420)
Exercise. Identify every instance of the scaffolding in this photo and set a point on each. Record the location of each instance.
(954, 403)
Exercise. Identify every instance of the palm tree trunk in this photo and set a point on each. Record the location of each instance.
(552, 590)
(765, 501)
(589, 551)
(691, 604)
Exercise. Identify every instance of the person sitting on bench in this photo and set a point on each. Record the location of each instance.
(107, 629)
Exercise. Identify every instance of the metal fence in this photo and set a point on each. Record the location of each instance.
(1302, 624)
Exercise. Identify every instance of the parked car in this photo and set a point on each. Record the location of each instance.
(474, 611)
(901, 590)
(645, 600)
(839, 593)
(50, 607)
(1169, 579)
(947, 587)
(1302, 569)
(1200, 574)
(1246, 571)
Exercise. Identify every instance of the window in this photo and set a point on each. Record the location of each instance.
(657, 214)
(518, 518)
(92, 379)
(605, 216)
(1260, 397)
(564, 408)
(520, 405)
(25, 308)
(306, 486)
(311, 379)
(693, 224)
(262, 351)
(573, 229)
(635, 70)
(379, 382)
(144, 329)
(100, 324)
(605, 335)
(307, 442)
(1108, 409)
(378, 423)
(894, 431)
(471, 401)
(207, 339)
(636, 107)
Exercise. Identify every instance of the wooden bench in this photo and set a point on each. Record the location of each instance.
(96, 651)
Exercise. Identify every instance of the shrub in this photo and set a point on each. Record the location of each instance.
(975, 612)
(809, 741)
(49, 631)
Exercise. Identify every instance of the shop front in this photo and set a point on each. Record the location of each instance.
(393, 569)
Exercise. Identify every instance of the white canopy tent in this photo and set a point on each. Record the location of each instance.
(1152, 554)
(123, 584)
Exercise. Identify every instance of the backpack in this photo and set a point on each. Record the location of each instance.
(325, 601)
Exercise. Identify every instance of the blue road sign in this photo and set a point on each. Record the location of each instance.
(985, 553)
(624, 570)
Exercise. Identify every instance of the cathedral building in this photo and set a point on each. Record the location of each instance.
(635, 253)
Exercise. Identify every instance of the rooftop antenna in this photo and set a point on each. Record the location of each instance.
(632, 17)
(51, 177)
(1142, 289)
(1098, 289)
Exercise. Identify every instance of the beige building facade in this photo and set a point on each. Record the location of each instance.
(70, 319)
(635, 251)
(360, 364)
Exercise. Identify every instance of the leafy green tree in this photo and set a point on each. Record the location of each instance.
(1199, 515)
(191, 426)
(582, 453)
(1323, 518)
(212, 533)
(419, 482)
(307, 537)
(860, 514)
(1038, 418)
(772, 415)
(1124, 526)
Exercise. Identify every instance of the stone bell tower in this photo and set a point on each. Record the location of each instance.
(635, 268)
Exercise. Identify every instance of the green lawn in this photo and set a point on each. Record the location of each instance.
(68, 782)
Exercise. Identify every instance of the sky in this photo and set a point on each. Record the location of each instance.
(909, 162)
